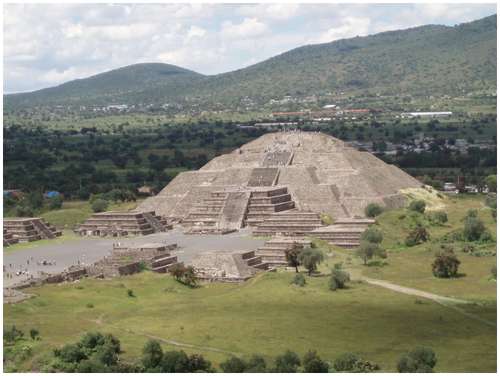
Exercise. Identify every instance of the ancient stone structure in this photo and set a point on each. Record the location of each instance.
(116, 223)
(222, 266)
(27, 230)
(273, 253)
(343, 233)
(309, 171)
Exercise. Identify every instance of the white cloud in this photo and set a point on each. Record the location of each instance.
(248, 28)
(47, 44)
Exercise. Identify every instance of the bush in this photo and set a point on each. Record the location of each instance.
(438, 217)
(310, 259)
(473, 228)
(367, 250)
(99, 205)
(345, 362)
(174, 362)
(233, 365)
(445, 264)
(313, 363)
(494, 272)
(185, 275)
(152, 355)
(417, 206)
(338, 279)
(471, 213)
(420, 360)
(34, 334)
(486, 237)
(417, 236)
(372, 210)
(372, 235)
(23, 211)
(287, 363)
(130, 293)
(256, 364)
(12, 334)
(55, 202)
(299, 280)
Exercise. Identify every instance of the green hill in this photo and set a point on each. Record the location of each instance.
(429, 59)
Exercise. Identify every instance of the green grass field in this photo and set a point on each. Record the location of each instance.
(268, 315)
(265, 315)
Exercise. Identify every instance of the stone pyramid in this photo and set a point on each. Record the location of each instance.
(317, 172)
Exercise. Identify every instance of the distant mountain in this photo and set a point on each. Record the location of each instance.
(429, 59)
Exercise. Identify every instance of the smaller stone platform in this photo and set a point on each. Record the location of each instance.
(222, 266)
(345, 233)
(27, 230)
(116, 223)
(290, 222)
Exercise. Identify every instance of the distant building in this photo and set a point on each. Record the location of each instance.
(329, 106)
(426, 114)
(51, 194)
(14, 193)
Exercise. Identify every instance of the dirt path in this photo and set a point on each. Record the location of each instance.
(442, 300)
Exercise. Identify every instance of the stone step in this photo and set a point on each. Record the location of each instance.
(248, 255)
(256, 260)
(252, 208)
(270, 192)
(354, 221)
(262, 266)
(164, 261)
(271, 199)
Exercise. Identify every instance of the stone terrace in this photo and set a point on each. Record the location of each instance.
(28, 230)
(115, 223)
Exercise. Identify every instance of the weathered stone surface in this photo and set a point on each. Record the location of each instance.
(222, 266)
(321, 173)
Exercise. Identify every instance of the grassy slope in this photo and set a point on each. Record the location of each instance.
(412, 266)
(265, 315)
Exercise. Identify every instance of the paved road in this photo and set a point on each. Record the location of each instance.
(89, 250)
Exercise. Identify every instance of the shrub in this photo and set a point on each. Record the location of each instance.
(310, 258)
(438, 217)
(491, 182)
(183, 274)
(152, 355)
(12, 334)
(491, 201)
(445, 264)
(292, 257)
(338, 279)
(233, 365)
(473, 228)
(420, 360)
(372, 235)
(34, 334)
(55, 202)
(99, 205)
(299, 280)
(468, 248)
(174, 362)
(417, 236)
(367, 250)
(345, 362)
(89, 305)
(23, 211)
(417, 206)
(130, 293)
(494, 272)
(372, 210)
(486, 237)
(313, 363)
(287, 362)
(256, 364)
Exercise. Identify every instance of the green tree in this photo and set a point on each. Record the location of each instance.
(313, 364)
(417, 206)
(34, 334)
(345, 362)
(417, 236)
(99, 205)
(367, 250)
(233, 365)
(338, 278)
(175, 362)
(419, 360)
(473, 228)
(55, 202)
(292, 257)
(256, 364)
(372, 235)
(287, 362)
(299, 280)
(310, 258)
(152, 355)
(445, 264)
(372, 210)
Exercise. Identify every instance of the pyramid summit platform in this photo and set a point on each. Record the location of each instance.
(304, 171)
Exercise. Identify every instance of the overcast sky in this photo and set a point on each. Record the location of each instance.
(48, 44)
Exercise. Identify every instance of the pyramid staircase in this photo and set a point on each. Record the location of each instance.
(345, 233)
(205, 215)
(266, 202)
(291, 222)
(273, 253)
(8, 239)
